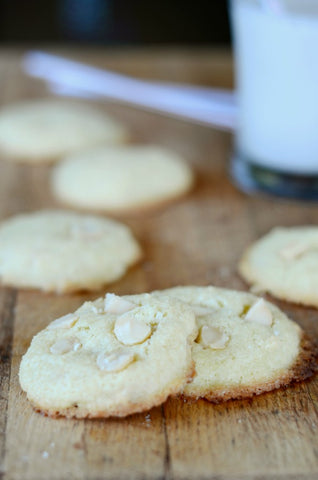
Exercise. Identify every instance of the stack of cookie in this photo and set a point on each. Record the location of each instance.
(120, 355)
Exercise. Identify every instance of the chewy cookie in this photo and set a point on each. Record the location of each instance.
(245, 345)
(63, 251)
(111, 357)
(43, 130)
(121, 178)
(284, 263)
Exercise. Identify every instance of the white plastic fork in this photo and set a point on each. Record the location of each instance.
(207, 106)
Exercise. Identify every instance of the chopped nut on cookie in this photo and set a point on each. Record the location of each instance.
(213, 337)
(260, 313)
(201, 311)
(65, 345)
(131, 330)
(67, 321)
(115, 361)
(118, 305)
(293, 250)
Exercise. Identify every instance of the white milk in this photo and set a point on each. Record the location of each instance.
(277, 82)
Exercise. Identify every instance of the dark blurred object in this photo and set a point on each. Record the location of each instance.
(115, 21)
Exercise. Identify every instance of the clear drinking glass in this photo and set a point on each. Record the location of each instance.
(276, 60)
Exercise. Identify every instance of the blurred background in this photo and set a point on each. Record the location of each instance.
(115, 22)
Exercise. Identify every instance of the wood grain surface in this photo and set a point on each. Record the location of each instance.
(196, 240)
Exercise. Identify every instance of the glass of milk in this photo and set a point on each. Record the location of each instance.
(276, 59)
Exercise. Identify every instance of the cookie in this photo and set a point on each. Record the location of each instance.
(245, 345)
(121, 178)
(64, 251)
(284, 263)
(111, 357)
(44, 130)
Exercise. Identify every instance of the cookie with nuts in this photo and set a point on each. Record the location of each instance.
(111, 357)
(245, 345)
(63, 251)
(284, 263)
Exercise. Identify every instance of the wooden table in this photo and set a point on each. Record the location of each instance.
(196, 240)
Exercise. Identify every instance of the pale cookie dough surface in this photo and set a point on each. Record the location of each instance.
(121, 178)
(44, 130)
(64, 251)
(112, 357)
(245, 345)
(284, 263)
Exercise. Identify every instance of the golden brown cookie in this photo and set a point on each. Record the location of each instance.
(245, 345)
(112, 357)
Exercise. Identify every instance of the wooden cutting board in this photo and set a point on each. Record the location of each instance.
(196, 240)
